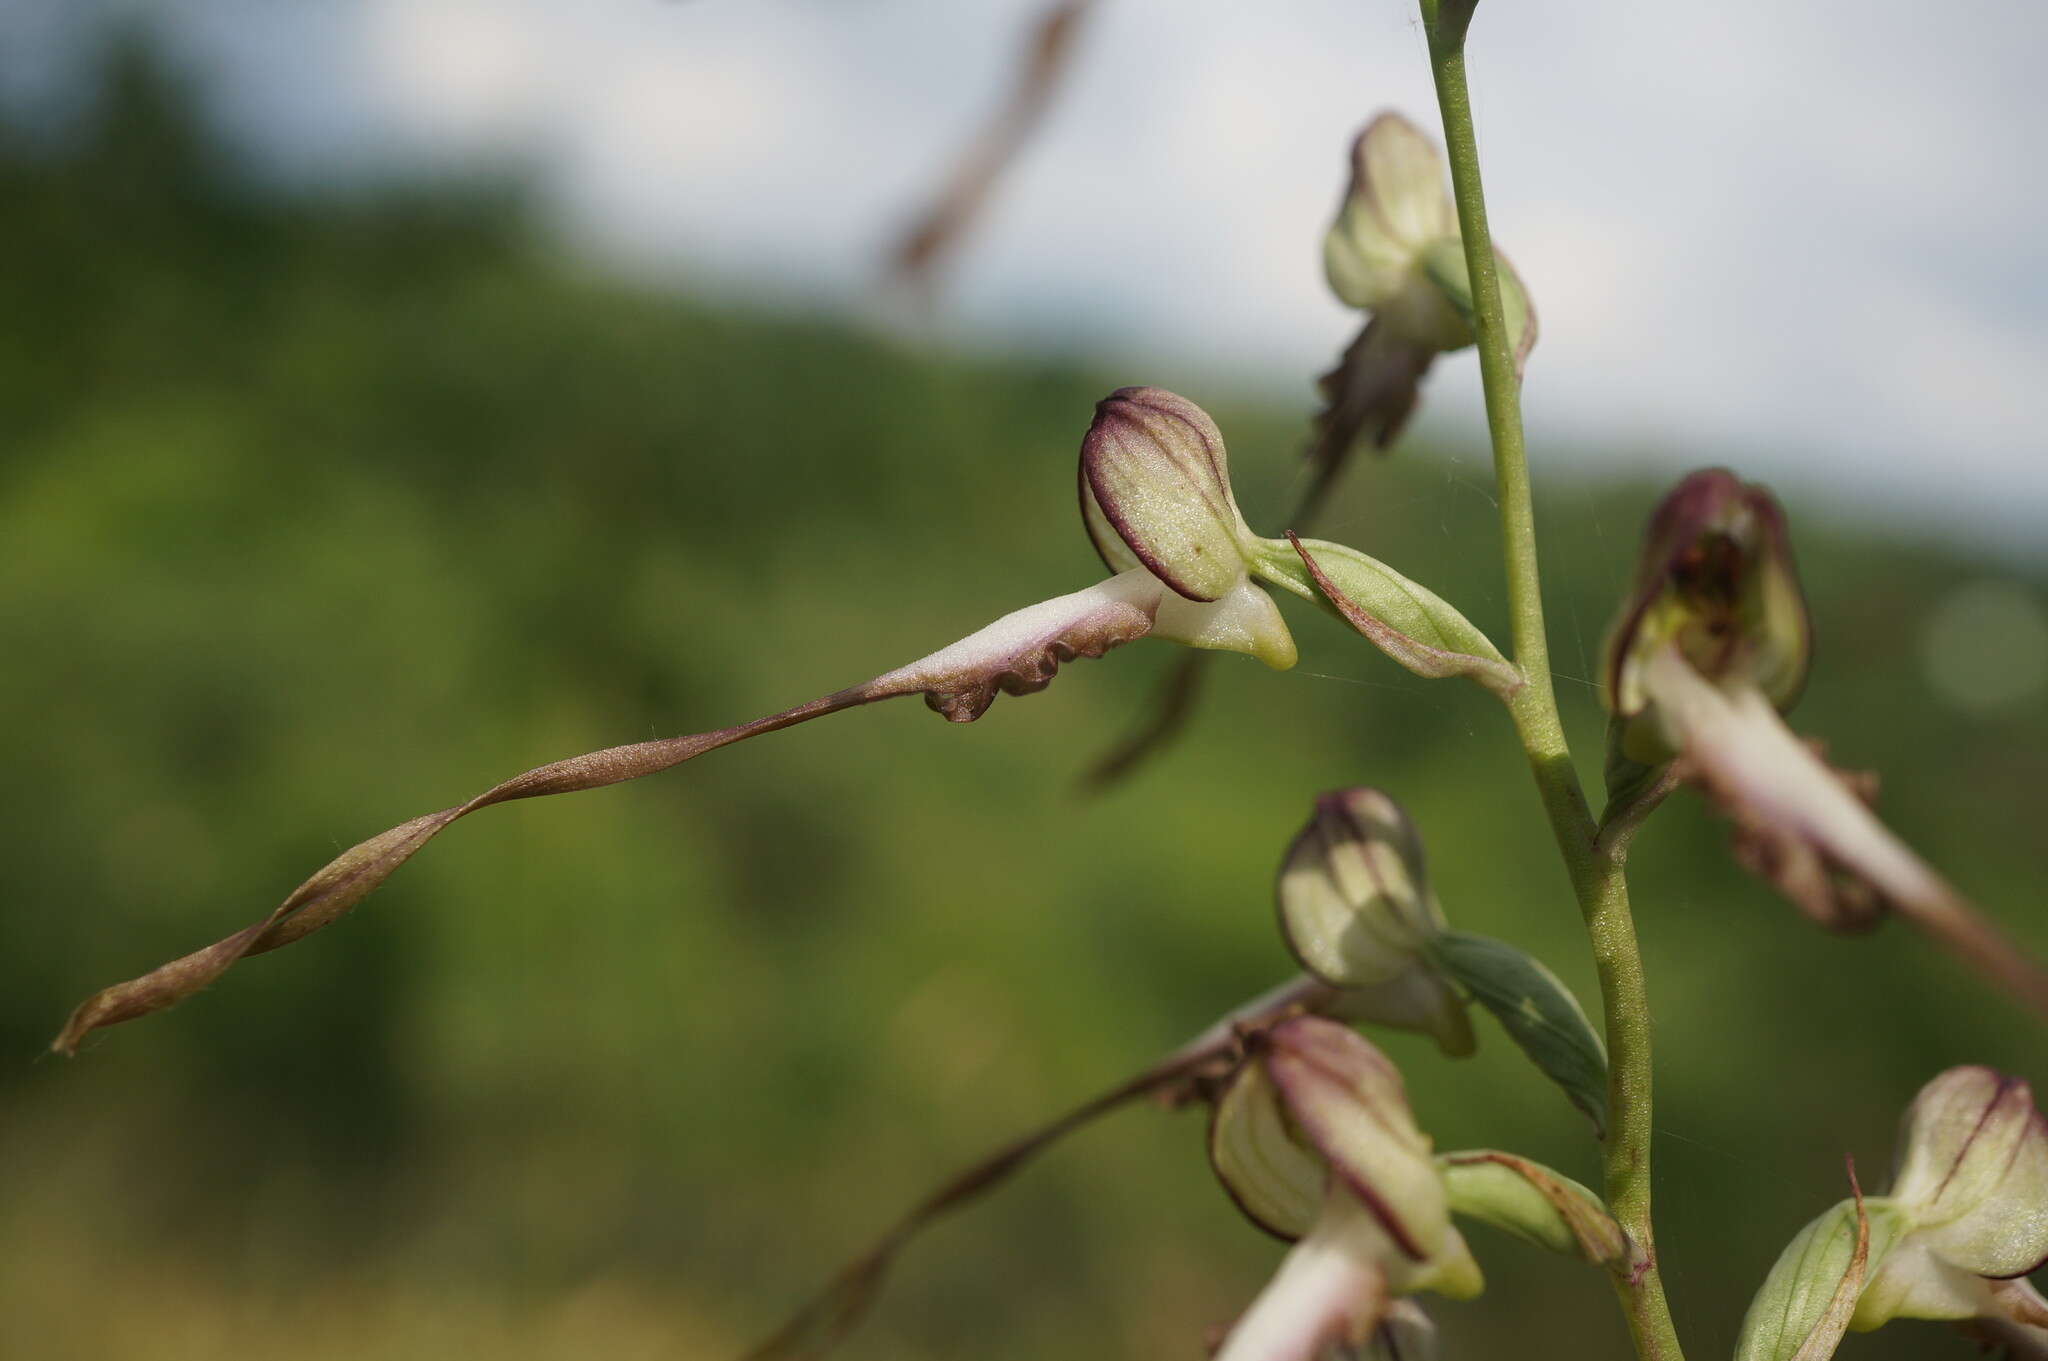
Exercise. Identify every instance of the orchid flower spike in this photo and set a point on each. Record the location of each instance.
(1156, 499)
(1964, 1223)
(1395, 254)
(1313, 1138)
(1711, 645)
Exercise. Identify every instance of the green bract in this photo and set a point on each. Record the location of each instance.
(1402, 618)
(1534, 1204)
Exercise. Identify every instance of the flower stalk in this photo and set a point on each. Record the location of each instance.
(1596, 871)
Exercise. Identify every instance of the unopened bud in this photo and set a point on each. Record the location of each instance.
(1395, 253)
(1716, 580)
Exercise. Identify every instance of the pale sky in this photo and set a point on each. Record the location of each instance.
(1809, 240)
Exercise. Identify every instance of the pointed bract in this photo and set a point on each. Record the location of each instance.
(1537, 1205)
(1402, 618)
(1807, 1301)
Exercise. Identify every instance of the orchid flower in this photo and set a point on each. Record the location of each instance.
(1712, 645)
(1156, 498)
(1314, 1140)
(1394, 253)
(1965, 1221)
(1358, 913)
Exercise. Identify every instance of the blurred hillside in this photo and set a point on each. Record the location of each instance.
(319, 514)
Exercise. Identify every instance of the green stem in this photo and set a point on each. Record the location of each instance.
(1597, 873)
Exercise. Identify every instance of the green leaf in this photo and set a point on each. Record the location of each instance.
(1444, 262)
(1537, 1010)
(1402, 618)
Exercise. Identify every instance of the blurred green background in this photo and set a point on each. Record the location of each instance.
(320, 513)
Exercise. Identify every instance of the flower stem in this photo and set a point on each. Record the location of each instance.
(1597, 873)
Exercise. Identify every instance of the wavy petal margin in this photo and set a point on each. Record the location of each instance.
(1018, 654)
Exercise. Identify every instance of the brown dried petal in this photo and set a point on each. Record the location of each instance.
(839, 1308)
(1018, 654)
(940, 228)
(1369, 395)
